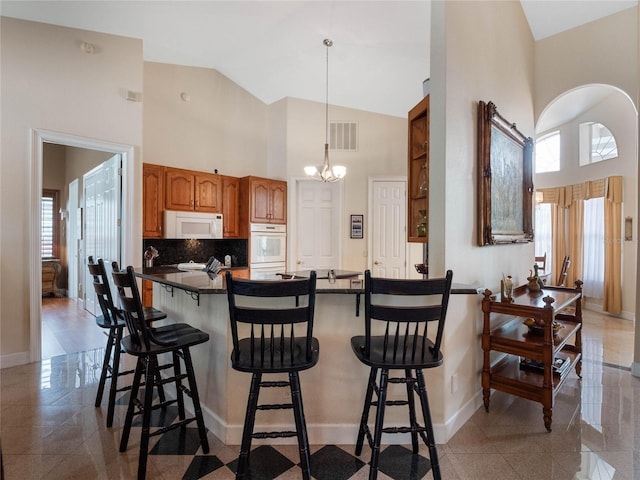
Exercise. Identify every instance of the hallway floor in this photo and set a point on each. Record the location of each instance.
(51, 430)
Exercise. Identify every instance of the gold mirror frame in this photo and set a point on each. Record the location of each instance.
(505, 180)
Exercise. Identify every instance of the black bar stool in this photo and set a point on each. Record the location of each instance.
(279, 329)
(397, 337)
(146, 343)
(112, 321)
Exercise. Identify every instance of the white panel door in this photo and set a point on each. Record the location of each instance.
(73, 235)
(389, 229)
(101, 221)
(318, 225)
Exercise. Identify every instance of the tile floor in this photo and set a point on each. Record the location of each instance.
(51, 430)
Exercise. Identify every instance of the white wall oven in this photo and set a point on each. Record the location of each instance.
(268, 248)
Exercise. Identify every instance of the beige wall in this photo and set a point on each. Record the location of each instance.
(604, 51)
(220, 127)
(48, 83)
(382, 150)
(480, 51)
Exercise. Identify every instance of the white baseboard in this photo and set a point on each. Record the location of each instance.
(596, 307)
(14, 359)
(339, 434)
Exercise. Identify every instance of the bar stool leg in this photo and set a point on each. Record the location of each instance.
(150, 375)
(197, 409)
(115, 374)
(135, 386)
(301, 426)
(377, 435)
(412, 409)
(433, 453)
(249, 421)
(105, 366)
(179, 394)
(365, 411)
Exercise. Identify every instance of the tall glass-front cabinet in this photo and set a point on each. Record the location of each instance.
(418, 174)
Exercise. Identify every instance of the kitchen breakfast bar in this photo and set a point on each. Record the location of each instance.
(332, 391)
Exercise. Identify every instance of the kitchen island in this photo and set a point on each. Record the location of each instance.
(333, 391)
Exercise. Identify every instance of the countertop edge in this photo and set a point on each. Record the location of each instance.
(456, 289)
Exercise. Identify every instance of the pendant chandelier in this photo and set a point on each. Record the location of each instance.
(325, 172)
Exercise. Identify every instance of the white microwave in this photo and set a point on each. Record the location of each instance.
(192, 224)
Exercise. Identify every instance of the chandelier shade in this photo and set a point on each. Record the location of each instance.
(325, 172)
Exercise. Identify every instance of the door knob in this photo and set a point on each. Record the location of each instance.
(299, 262)
(377, 263)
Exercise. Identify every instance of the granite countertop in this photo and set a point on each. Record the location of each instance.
(202, 283)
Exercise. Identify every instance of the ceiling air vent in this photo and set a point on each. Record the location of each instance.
(343, 136)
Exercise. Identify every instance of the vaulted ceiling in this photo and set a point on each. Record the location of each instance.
(274, 49)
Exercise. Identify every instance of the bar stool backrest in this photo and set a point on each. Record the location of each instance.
(398, 313)
(271, 323)
(103, 290)
(131, 306)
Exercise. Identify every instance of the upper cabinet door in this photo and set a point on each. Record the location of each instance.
(179, 189)
(278, 202)
(153, 200)
(260, 193)
(230, 206)
(208, 193)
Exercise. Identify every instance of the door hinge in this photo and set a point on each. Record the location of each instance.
(119, 171)
(119, 222)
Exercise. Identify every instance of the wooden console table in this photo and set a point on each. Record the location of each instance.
(531, 364)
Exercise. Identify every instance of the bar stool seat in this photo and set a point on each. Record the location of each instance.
(397, 337)
(277, 318)
(113, 321)
(146, 343)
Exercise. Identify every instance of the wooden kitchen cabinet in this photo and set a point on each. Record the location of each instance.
(531, 363)
(230, 204)
(188, 190)
(418, 173)
(152, 200)
(263, 200)
(147, 293)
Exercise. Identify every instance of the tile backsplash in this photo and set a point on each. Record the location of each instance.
(173, 251)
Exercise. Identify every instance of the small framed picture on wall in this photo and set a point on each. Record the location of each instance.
(357, 226)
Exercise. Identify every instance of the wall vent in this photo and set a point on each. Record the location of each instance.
(343, 136)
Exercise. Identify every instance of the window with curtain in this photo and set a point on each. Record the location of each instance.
(542, 231)
(593, 262)
(49, 224)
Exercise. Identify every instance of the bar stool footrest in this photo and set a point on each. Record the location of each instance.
(173, 426)
(403, 430)
(275, 406)
(275, 384)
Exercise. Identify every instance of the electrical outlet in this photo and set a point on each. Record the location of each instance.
(454, 383)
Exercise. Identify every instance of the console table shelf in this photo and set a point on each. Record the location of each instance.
(506, 341)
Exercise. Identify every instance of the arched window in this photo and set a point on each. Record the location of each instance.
(597, 143)
(548, 153)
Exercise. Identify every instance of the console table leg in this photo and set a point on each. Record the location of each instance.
(546, 412)
(486, 397)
